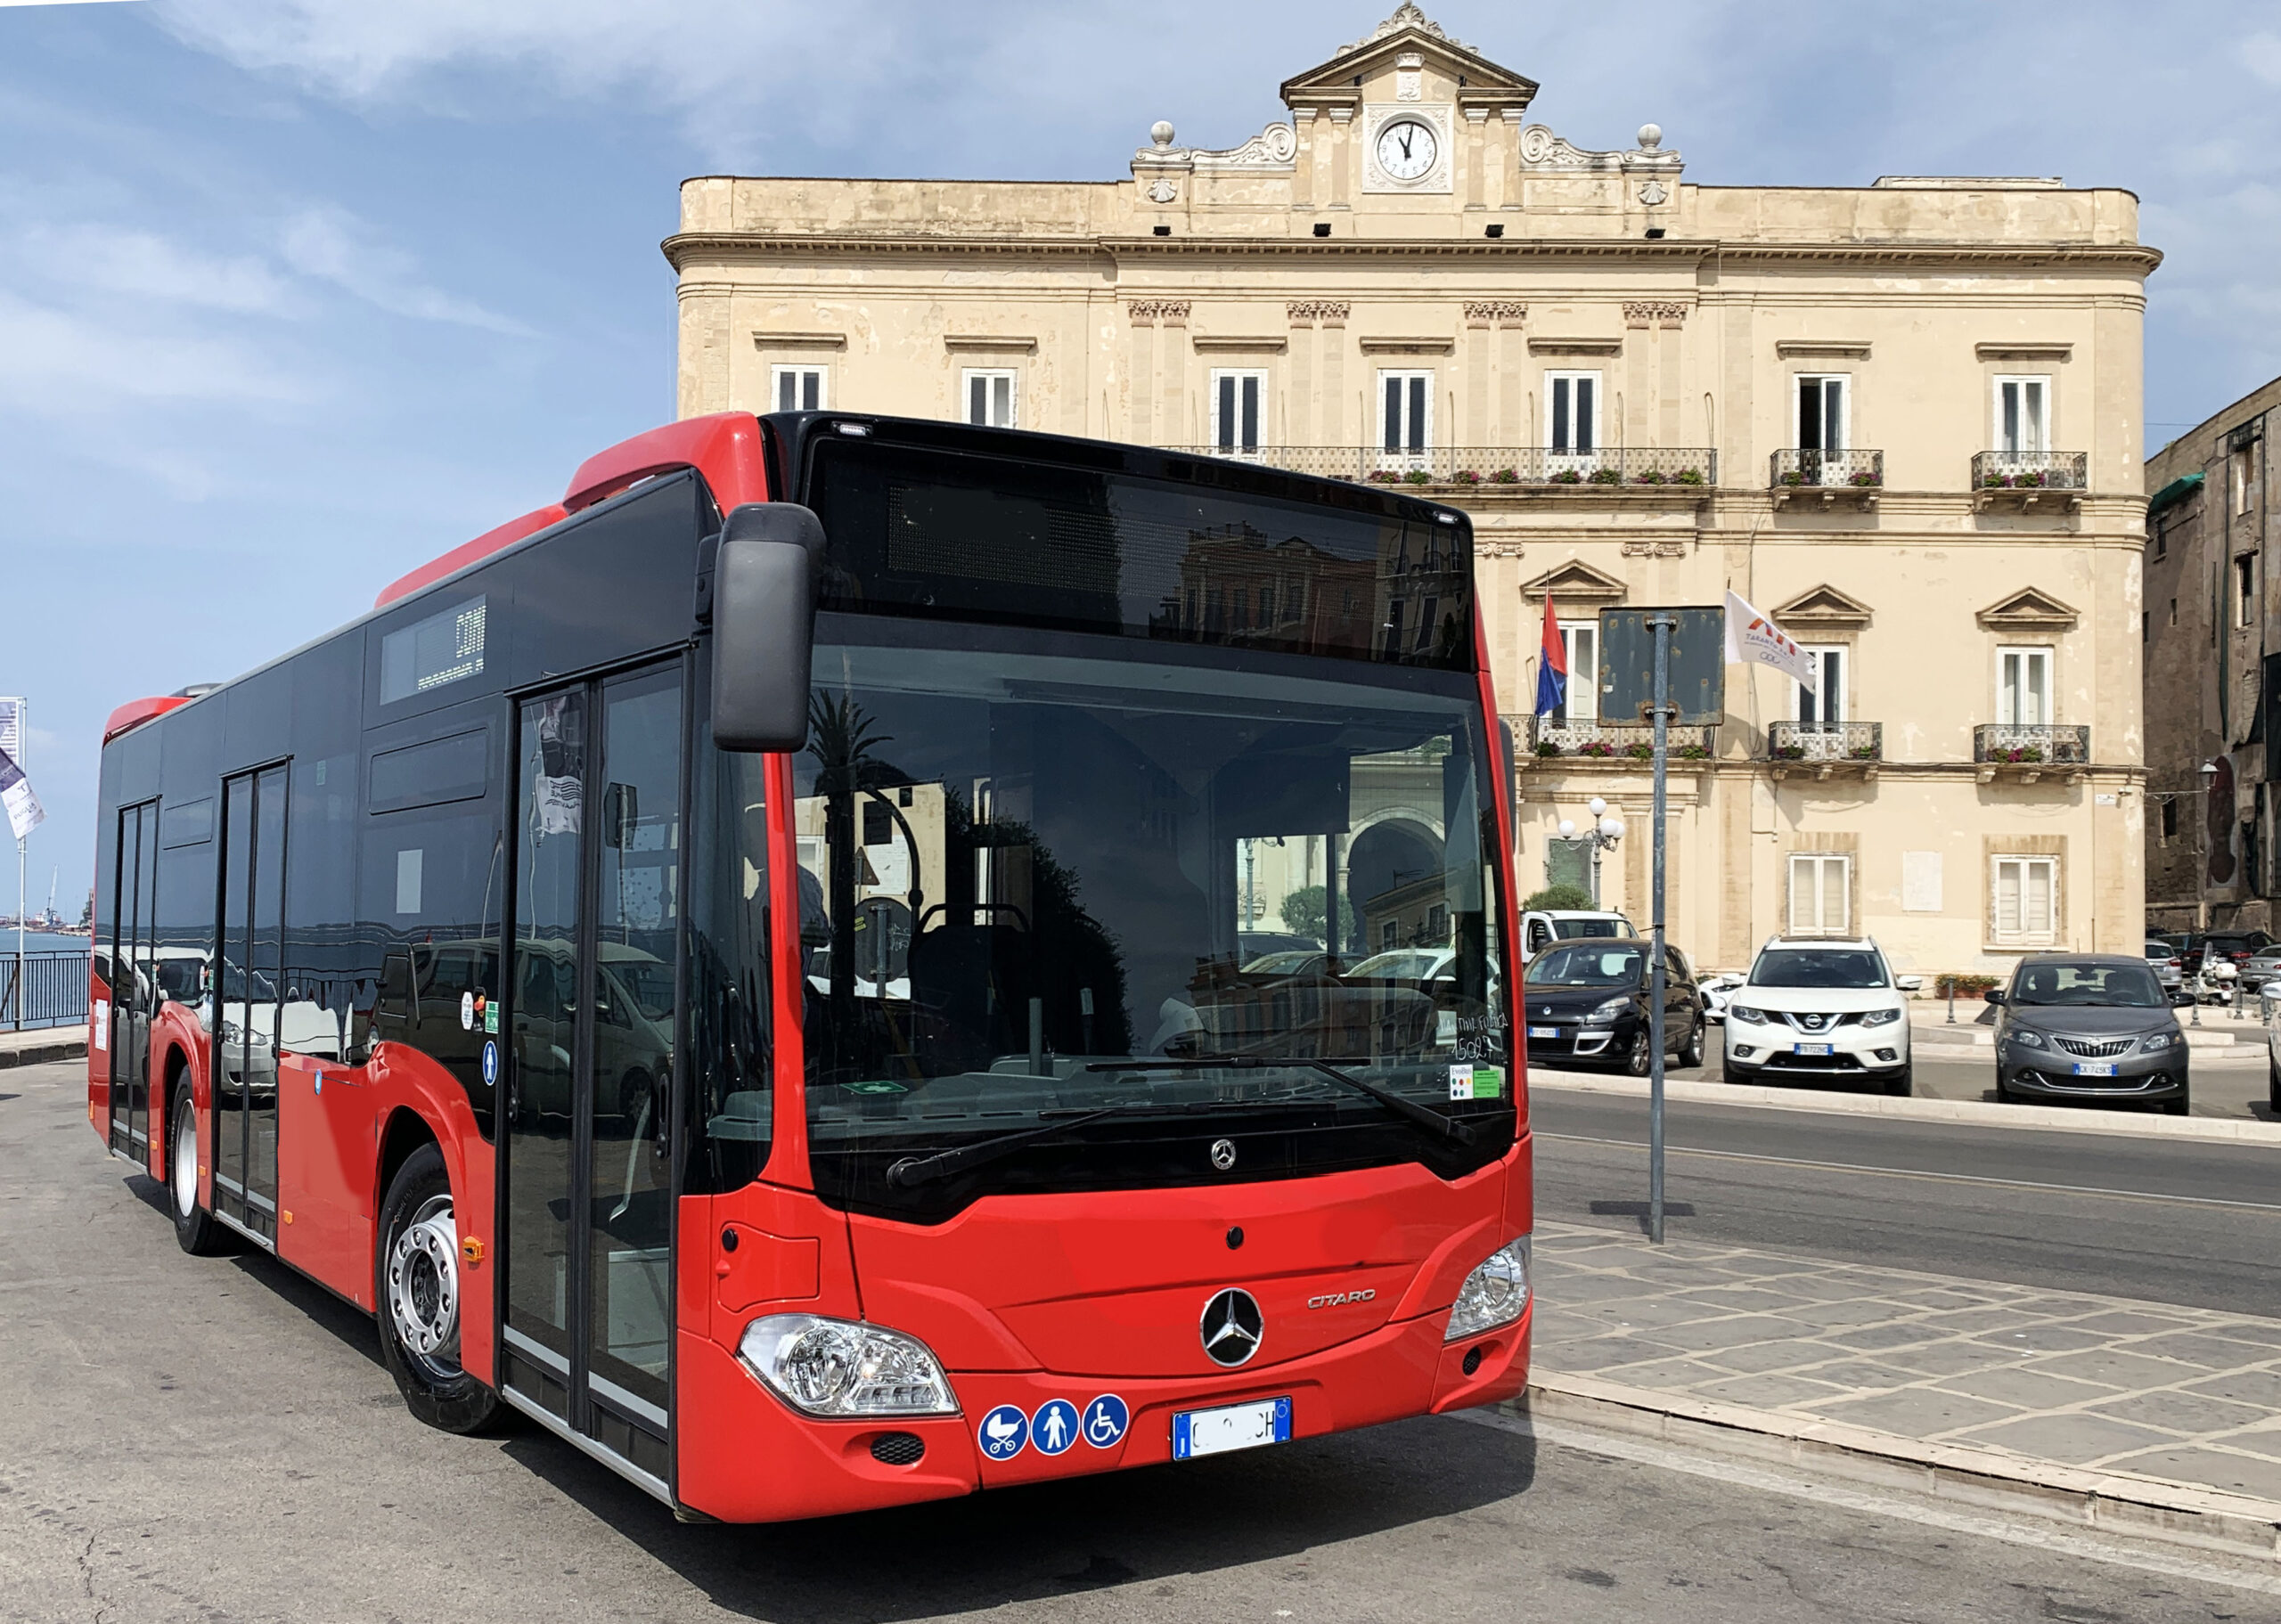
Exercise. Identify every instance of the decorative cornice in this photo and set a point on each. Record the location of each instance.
(1000, 342)
(1504, 312)
(800, 341)
(1252, 343)
(2023, 352)
(1575, 347)
(2028, 610)
(1663, 313)
(1171, 312)
(1856, 348)
(1426, 345)
(1329, 312)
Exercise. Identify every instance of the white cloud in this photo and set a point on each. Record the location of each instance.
(333, 245)
(2261, 55)
(60, 363)
(146, 265)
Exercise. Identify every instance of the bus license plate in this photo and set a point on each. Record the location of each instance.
(1231, 1426)
(2094, 1068)
(1814, 1048)
(1544, 1032)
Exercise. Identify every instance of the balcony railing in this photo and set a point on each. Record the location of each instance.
(1795, 467)
(1825, 741)
(1488, 467)
(1623, 741)
(2030, 471)
(2029, 744)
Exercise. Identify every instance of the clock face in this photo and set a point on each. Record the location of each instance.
(1406, 150)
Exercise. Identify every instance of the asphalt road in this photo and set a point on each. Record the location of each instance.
(214, 1438)
(2163, 1219)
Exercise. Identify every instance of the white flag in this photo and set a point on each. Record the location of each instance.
(25, 813)
(1751, 636)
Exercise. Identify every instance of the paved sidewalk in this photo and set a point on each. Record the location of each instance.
(2181, 1394)
(41, 1045)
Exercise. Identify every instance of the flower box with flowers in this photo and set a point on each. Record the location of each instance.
(1467, 476)
(1866, 478)
(1688, 475)
(1384, 475)
(1650, 477)
(1788, 753)
(2019, 755)
(1417, 475)
(1506, 476)
(1546, 748)
(1640, 752)
(1863, 753)
(1567, 476)
(1597, 749)
(1606, 476)
(1694, 752)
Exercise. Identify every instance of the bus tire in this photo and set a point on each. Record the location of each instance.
(416, 1290)
(195, 1230)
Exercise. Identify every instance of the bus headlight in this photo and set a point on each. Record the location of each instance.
(1493, 1294)
(844, 1368)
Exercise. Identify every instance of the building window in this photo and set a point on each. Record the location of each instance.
(1829, 706)
(991, 397)
(2024, 687)
(1236, 397)
(2173, 611)
(2170, 818)
(1407, 414)
(1825, 412)
(1572, 423)
(2245, 590)
(2023, 906)
(2161, 541)
(798, 388)
(1579, 639)
(1820, 894)
(2241, 468)
(2022, 416)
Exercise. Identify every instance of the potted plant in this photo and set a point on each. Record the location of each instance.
(1641, 752)
(1867, 478)
(1417, 475)
(1791, 477)
(1994, 482)
(1688, 475)
(1694, 752)
(1650, 477)
(1863, 753)
(1545, 746)
(1506, 475)
(1606, 476)
(1598, 749)
(1468, 476)
(1568, 475)
(1384, 475)
(1788, 753)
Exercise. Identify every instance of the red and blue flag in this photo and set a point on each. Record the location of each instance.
(1551, 666)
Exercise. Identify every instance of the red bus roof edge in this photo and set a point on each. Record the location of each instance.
(468, 552)
(135, 712)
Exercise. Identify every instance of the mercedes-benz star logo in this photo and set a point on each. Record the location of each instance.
(1231, 1327)
(1224, 1154)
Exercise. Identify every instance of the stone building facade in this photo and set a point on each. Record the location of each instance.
(1902, 417)
(2212, 632)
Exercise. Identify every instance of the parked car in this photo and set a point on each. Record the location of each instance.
(1716, 991)
(2269, 1004)
(1542, 926)
(1820, 1007)
(2088, 1026)
(2235, 945)
(2170, 969)
(1587, 1000)
(2259, 969)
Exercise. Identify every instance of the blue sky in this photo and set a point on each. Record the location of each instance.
(296, 294)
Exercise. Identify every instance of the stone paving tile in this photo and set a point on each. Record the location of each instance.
(1752, 1358)
(2027, 1388)
(2075, 1439)
(2262, 1388)
(1709, 1335)
(1820, 1287)
(1760, 1264)
(1855, 1311)
(1883, 1338)
(1766, 1391)
(2116, 1367)
(1603, 1288)
(2264, 1333)
(1656, 1312)
(2046, 1339)
(1915, 1412)
(1964, 1322)
(1862, 1374)
(1669, 1374)
(2133, 1323)
(2218, 1468)
(2194, 1348)
(2181, 1412)
(1612, 1352)
(2266, 1443)
(1947, 1297)
(1742, 1299)
(1947, 1359)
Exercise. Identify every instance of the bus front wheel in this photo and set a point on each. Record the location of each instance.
(417, 1289)
(194, 1227)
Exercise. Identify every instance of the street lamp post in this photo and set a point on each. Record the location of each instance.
(1604, 832)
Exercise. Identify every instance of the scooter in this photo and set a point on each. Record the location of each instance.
(2213, 984)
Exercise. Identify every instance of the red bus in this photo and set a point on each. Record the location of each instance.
(854, 961)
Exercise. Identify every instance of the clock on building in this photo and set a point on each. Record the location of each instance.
(1406, 150)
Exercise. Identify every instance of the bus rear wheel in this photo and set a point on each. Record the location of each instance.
(417, 1290)
(195, 1230)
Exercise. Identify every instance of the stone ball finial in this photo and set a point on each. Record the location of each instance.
(1651, 136)
(1161, 133)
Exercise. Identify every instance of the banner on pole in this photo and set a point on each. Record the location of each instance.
(1754, 639)
(12, 727)
(25, 813)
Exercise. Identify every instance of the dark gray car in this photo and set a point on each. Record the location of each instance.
(2088, 1026)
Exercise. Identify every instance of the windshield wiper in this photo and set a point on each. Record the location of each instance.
(1447, 1127)
(912, 1172)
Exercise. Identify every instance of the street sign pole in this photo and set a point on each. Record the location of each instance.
(1663, 624)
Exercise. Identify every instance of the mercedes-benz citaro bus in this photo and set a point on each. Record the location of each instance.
(750, 973)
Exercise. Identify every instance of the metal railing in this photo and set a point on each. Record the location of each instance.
(1825, 741)
(45, 989)
(2031, 471)
(1617, 741)
(1794, 467)
(1493, 466)
(2024, 744)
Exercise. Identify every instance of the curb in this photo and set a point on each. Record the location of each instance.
(1974, 1113)
(2113, 1502)
(62, 1048)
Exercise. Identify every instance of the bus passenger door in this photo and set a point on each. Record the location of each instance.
(592, 1022)
(248, 1000)
(133, 979)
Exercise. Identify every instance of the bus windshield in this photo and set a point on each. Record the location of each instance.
(1023, 861)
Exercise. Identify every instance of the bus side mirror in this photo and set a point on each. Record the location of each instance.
(764, 626)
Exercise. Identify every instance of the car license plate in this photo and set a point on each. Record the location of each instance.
(1814, 1048)
(1544, 1032)
(1231, 1426)
(2094, 1068)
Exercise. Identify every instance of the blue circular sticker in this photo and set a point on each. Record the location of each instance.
(490, 1063)
(1054, 1427)
(1105, 1419)
(1003, 1432)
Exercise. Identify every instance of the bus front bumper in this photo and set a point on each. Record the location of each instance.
(751, 1459)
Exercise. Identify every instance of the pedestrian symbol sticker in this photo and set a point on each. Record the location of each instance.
(490, 1063)
(1054, 1427)
(1105, 1419)
(1004, 1431)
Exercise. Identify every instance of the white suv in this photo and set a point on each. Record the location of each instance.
(1820, 1007)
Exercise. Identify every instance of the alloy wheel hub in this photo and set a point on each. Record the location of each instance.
(423, 1286)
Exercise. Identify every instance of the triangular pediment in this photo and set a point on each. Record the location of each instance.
(1575, 582)
(1408, 33)
(2029, 607)
(1825, 606)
